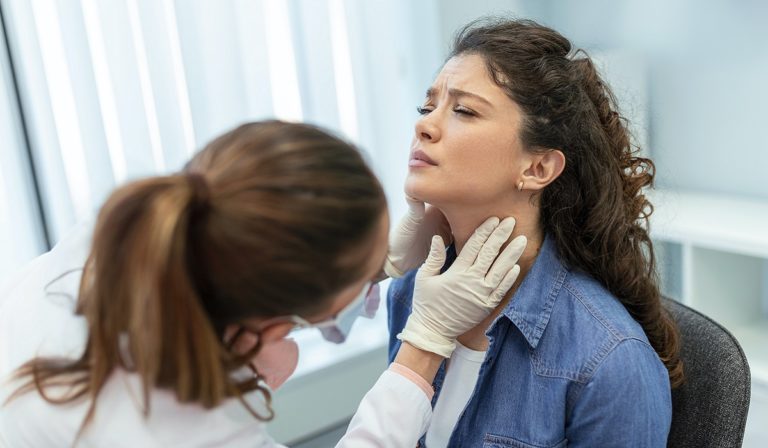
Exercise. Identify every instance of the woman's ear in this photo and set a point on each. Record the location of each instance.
(241, 341)
(543, 169)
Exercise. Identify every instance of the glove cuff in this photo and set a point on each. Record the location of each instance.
(438, 345)
(391, 270)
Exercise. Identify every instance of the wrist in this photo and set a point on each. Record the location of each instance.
(390, 270)
(422, 362)
(420, 335)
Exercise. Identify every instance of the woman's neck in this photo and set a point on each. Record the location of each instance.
(464, 220)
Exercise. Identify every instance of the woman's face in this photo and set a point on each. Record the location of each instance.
(466, 147)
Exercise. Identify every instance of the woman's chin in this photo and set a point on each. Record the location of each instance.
(414, 190)
(429, 192)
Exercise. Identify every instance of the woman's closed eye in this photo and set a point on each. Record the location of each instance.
(460, 110)
(424, 110)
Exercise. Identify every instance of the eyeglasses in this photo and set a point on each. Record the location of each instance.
(343, 319)
(334, 329)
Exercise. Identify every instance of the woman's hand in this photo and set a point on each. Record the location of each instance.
(410, 240)
(449, 304)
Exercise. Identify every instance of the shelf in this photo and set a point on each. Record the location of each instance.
(315, 353)
(309, 402)
(753, 339)
(727, 223)
(713, 256)
(324, 398)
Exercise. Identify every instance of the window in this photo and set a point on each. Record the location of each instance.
(21, 232)
(113, 91)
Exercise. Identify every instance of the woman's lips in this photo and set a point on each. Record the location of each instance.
(418, 163)
(420, 159)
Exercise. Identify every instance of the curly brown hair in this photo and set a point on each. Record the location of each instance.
(595, 211)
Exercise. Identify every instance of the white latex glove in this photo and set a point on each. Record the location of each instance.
(449, 304)
(410, 240)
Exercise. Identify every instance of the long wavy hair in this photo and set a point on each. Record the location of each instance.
(270, 219)
(595, 211)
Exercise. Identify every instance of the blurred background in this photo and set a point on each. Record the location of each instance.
(97, 92)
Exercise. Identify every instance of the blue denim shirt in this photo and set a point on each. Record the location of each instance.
(566, 366)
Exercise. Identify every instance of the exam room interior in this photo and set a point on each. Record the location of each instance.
(94, 93)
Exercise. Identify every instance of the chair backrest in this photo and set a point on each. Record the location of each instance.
(710, 409)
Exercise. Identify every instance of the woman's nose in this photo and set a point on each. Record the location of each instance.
(427, 130)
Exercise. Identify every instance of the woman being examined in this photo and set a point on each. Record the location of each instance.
(580, 351)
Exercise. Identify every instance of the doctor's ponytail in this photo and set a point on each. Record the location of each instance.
(138, 286)
(270, 219)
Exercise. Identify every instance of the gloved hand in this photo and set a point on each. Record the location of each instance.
(449, 304)
(409, 241)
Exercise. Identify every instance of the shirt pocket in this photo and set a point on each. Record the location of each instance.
(494, 441)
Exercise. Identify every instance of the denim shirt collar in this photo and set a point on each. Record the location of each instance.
(531, 306)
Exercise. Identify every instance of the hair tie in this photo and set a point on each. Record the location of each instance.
(201, 194)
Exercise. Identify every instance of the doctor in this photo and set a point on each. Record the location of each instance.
(166, 323)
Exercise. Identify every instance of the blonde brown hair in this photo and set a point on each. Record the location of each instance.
(267, 220)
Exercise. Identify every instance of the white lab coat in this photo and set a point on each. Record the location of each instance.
(36, 318)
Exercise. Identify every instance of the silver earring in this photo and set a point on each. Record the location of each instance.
(520, 186)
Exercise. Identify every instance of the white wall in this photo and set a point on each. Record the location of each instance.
(396, 45)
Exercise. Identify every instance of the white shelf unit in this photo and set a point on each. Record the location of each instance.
(330, 379)
(712, 253)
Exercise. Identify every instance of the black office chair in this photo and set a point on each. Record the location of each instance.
(710, 409)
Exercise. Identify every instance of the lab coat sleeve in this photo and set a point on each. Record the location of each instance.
(394, 413)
